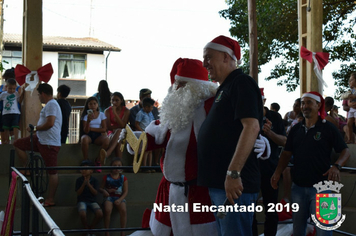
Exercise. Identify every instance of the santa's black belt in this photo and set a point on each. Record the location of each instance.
(185, 185)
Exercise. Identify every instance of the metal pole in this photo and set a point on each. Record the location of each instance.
(12, 163)
(106, 66)
(35, 215)
(25, 212)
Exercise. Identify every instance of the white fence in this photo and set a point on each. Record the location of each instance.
(74, 125)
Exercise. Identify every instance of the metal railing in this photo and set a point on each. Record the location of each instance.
(27, 196)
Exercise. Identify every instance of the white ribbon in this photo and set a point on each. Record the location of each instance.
(32, 84)
(318, 74)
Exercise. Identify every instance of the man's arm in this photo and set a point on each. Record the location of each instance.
(282, 164)
(278, 139)
(251, 128)
(333, 173)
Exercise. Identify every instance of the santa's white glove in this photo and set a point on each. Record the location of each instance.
(122, 135)
(128, 147)
(157, 130)
(262, 145)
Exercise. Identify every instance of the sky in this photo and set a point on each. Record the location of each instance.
(152, 35)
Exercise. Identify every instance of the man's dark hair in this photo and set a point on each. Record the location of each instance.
(64, 90)
(11, 81)
(144, 93)
(329, 102)
(46, 89)
(275, 106)
(147, 102)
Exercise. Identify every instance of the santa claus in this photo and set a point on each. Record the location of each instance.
(183, 111)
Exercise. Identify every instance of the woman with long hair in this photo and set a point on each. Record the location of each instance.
(117, 118)
(103, 95)
(93, 129)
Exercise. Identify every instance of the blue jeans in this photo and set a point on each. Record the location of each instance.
(235, 223)
(305, 197)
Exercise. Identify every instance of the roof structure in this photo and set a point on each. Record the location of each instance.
(57, 43)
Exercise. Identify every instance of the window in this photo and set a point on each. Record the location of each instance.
(71, 72)
(11, 58)
(71, 66)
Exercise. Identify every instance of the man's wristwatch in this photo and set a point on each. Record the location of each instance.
(34, 128)
(337, 166)
(233, 173)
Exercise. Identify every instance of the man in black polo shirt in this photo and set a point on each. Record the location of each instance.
(227, 165)
(311, 142)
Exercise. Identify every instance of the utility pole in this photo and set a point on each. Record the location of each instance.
(252, 27)
(310, 22)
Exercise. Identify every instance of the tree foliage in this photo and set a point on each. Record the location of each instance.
(277, 35)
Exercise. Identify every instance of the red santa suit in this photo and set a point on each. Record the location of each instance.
(179, 162)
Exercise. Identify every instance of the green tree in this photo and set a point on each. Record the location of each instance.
(277, 35)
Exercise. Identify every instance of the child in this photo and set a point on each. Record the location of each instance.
(94, 129)
(352, 112)
(115, 188)
(143, 118)
(62, 93)
(11, 112)
(86, 188)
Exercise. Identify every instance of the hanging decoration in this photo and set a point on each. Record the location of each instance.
(320, 60)
(23, 75)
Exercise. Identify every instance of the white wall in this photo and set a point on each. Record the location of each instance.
(95, 70)
(52, 57)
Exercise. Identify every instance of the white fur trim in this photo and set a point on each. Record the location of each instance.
(176, 150)
(157, 228)
(182, 78)
(221, 48)
(174, 161)
(313, 96)
(180, 220)
(159, 132)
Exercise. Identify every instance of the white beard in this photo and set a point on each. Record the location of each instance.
(179, 106)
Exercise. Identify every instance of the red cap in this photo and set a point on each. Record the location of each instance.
(225, 44)
(188, 69)
(317, 97)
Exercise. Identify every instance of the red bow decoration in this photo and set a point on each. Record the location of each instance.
(44, 73)
(321, 57)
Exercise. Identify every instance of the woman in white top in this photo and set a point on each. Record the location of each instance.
(93, 129)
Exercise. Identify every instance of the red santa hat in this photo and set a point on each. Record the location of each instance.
(317, 97)
(185, 69)
(262, 93)
(225, 44)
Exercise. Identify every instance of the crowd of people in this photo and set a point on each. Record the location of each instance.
(220, 146)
